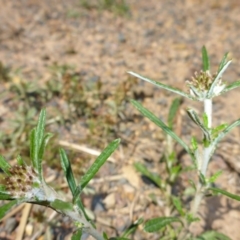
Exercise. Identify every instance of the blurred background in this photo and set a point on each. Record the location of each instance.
(72, 57)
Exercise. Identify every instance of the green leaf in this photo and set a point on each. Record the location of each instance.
(194, 143)
(213, 178)
(105, 236)
(161, 124)
(5, 196)
(231, 86)
(224, 132)
(145, 172)
(44, 143)
(202, 178)
(119, 238)
(216, 80)
(20, 161)
(132, 228)
(193, 115)
(178, 205)
(36, 139)
(157, 224)
(205, 120)
(173, 111)
(61, 206)
(71, 182)
(223, 62)
(101, 159)
(205, 59)
(161, 85)
(230, 195)
(6, 207)
(192, 184)
(213, 235)
(67, 170)
(4, 165)
(218, 129)
(76, 194)
(33, 150)
(77, 235)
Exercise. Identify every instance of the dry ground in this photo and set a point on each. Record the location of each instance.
(159, 39)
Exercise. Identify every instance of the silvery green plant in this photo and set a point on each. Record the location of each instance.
(203, 87)
(25, 183)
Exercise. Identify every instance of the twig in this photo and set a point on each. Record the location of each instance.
(83, 149)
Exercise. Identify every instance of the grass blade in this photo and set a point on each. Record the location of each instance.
(145, 172)
(161, 124)
(67, 170)
(161, 85)
(213, 235)
(231, 86)
(36, 139)
(223, 62)
(4, 165)
(224, 132)
(6, 207)
(157, 224)
(101, 159)
(205, 59)
(217, 79)
(193, 115)
(228, 194)
(77, 235)
(173, 111)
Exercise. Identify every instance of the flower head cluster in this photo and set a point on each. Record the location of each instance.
(21, 182)
(202, 82)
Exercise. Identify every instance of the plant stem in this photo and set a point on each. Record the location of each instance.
(205, 159)
(208, 111)
(207, 150)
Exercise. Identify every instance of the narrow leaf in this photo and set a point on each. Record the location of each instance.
(44, 143)
(224, 132)
(67, 170)
(4, 165)
(145, 172)
(157, 224)
(178, 205)
(193, 115)
(41, 151)
(161, 124)
(217, 79)
(36, 139)
(205, 120)
(228, 194)
(101, 159)
(40, 127)
(173, 111)
(132, 228)
(218, 129)
(205, 59)
(33, 150)
(213, 235)
(20, 161)
(214, 177)
(77, 193)
(5, 196)
(161, 85)
(6, 207)
(77, 235)
(231, 86)
(223, 62)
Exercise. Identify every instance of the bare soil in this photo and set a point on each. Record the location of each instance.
(158, 39)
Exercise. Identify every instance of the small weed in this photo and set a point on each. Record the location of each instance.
(119, 7)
